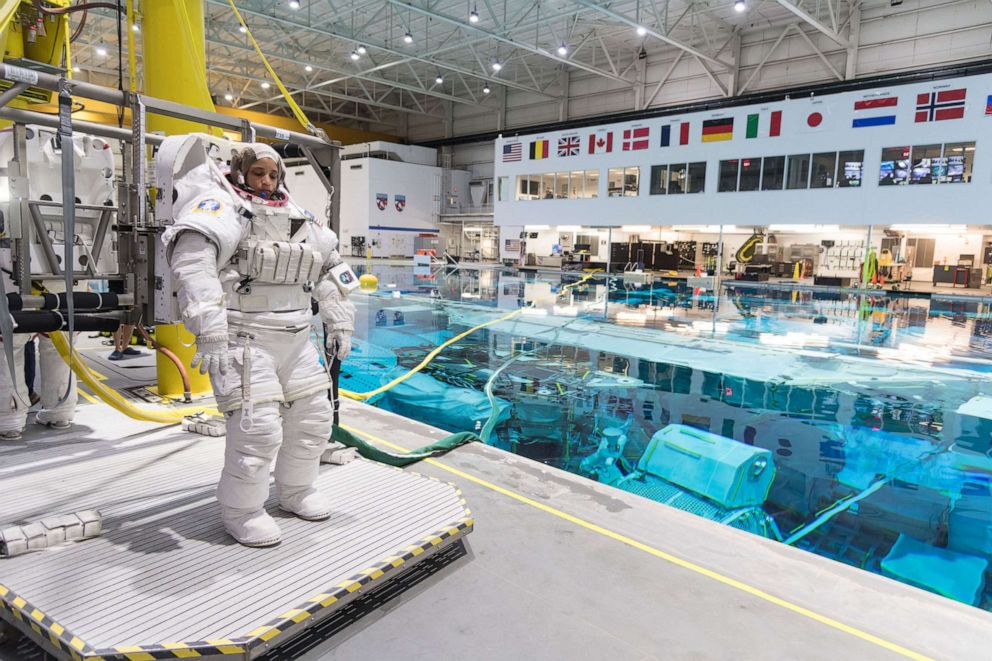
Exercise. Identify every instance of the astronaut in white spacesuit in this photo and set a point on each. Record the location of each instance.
(57, 382)
(246, 262)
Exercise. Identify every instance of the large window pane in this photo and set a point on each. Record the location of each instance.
(527, 186)
(696, 178)
(503, 190)
(894, 168)
(921, 159)
(614, 182)
(850, 168)
(824, 170)
(561, 186)
(797, 172)
(592, 184)
(676, 178)
(773, 173)
(631, 181)
(750, 174)
(548, 186)
(728, 176)
(959, 156)
(659, 179)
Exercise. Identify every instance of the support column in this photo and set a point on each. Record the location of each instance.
(733, 80)
(174, 62)
(564, 80)
(854, 42)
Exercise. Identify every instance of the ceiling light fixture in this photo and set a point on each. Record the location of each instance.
(362, 50)
(265, 86)
(243, 29)
(439, 79)
(473, 16)
(563, 50)
(308, 68)
(101, 49)
(294, 4)
(408, 38)
(135, 28)
(486, 90)
(497, 66)
(740, 5)
(229, 97)
(355, 55)
(76, 69)
(641, 30)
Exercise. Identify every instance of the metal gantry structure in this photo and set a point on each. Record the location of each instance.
(134, 227)
(381, 62)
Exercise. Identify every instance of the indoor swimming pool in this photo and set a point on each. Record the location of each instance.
(857, 427)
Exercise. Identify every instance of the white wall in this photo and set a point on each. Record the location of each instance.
(391, 229)
(869, 204)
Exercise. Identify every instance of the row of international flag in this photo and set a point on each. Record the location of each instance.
(867, 113)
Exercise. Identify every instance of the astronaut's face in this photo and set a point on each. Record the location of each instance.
(263, 175)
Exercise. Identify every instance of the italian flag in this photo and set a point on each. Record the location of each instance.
(769, 126)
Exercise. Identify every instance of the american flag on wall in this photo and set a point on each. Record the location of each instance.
(938, 106)
(512, 152)
(569, 146)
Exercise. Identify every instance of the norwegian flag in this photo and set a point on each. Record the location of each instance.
(601, 143)
(569, 146)
(634, 139)
(938, 106)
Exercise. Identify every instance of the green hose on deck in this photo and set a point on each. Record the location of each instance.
(369, 451)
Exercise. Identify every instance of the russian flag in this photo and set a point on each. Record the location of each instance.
(874, 104)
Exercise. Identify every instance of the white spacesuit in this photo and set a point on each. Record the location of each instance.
(246, 265)
(55, 381)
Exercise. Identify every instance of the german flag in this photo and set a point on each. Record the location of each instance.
(715, 130)
(538, 150)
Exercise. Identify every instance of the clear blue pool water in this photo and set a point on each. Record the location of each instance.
(867, 420)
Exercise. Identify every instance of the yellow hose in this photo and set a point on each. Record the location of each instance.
(112, 397)
(362, 396)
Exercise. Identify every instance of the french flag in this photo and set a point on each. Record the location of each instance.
(876, 105)
(666, 134)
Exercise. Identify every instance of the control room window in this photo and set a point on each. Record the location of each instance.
(959, 156)
(797, 172)
(592, 183)
(631, 181)
(614, 182)
(528, 186)
(659, 179)
(922, 160)
(676, 178)
(893, 170)
(504, 189)
(773, 173)
(850, 166)
(696, 178)
(575, 188)
(548, 186)
(728, 176)
(824, 170)
(561, 186)
(750, 174)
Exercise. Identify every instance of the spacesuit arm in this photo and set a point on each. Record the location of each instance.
(193, 259)
(331, 293)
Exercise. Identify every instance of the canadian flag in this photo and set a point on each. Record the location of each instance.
(601, 142)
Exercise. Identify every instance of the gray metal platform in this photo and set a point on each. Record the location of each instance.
(165, 570)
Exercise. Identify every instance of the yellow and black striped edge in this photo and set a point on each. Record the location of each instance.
(364, 580)
(71, 646)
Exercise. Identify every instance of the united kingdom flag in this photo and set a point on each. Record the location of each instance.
(937, 106)
(569, 146)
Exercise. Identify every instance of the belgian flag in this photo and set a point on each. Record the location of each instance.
(538, 150)
(715, 130)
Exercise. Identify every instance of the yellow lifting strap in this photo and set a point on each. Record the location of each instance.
(297, 111)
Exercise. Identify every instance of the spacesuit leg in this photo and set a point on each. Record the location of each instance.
(248, 453)
(56, 379)
(307, 421)
(13, 409)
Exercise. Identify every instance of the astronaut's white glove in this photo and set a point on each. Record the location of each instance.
(339, 315)
(338, 343)
(212, 355)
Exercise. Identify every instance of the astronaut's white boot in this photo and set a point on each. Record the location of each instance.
(250, 527)
(306, 428)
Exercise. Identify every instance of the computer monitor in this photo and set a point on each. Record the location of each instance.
(582, 247)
